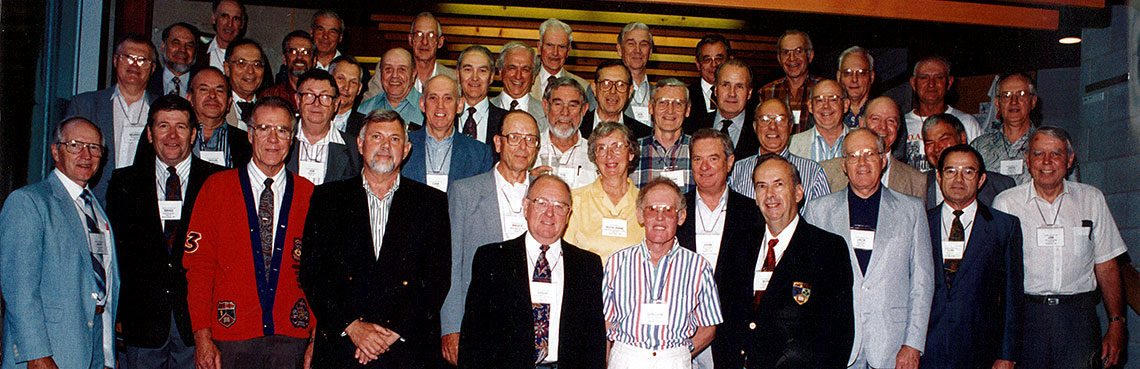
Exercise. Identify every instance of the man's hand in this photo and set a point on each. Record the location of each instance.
(370, 339)
(1003, 364)
(537, 171)
(309, 355)
(42, 363)
(206, 355)
(1112, 343)
(907, 358)
(450, 342)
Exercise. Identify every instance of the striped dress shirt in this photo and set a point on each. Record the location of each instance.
(219, 141)
(378, 212)
(655, 159)
(811, 175)
(681, 279)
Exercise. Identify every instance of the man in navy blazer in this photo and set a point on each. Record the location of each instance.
(440, 154)
(58, 271)
(976, 314)
(119, 111)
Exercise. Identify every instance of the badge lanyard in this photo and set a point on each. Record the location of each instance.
(431, 162)
(701, 219)
(503, 190)
(665, 154)
(1057, 214)
(314, 153)
(553, 265)
(126, 112)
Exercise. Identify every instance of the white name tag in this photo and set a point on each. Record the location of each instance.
(568, 174)
(437, 181)
(953, 249)
(654, 313)
(541, 292)
(98, 243)
(677, 176)
(313, 171)
(613, 227)
(1012, 167)
(169, 210)
(795, 117)
(1050, 236)
(862, 240)
(708, 244)
(760, 280)
(515, 225)
(214, 157)
(641, 113)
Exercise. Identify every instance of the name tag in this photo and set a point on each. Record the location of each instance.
(654, 313)
(760, 280)
(131, 137)
(613, 227)
(313, 171)
(541, 292)
(677, 176)
(214, 157)
(1050, 236)
(98, 243)
(1012, 167)
(515, 225)
(437, 181)
(953, 249)
(568, 174)
(862, 240)
(795, 117)
(641, 113)
(169, 210)
(708, 244)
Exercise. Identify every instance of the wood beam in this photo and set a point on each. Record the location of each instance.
(572, 15)
(917, 10)
(1075, 3)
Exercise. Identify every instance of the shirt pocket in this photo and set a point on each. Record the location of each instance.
(1082, 246)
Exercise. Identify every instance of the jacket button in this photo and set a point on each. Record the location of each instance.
(752, 325)
(405, 283)
(654, 353)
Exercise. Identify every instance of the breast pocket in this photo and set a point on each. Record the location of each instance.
(1081, 242)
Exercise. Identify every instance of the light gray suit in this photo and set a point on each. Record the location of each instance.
(473, 204)
(892, 300)
(534, 107)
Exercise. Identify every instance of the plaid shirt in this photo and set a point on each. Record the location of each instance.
(781, 89)
(656, 159)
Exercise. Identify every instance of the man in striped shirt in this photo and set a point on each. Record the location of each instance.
(660, 301)
(773, 125)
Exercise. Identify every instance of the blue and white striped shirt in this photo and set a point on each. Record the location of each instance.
(811, 175)
(681, 279)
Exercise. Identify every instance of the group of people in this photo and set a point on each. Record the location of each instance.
(219, 217)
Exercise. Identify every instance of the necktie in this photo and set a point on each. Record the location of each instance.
(541, 311)
(177, 91)
(93, 230)
(265, 223)
(769, 265)
(469, 126)
(724, 126)
(173, 193)
(957, 234)
(514, 105)
(549, 80)
(246, 110)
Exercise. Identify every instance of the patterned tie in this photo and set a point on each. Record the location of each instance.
(957, 234)
(541, 311)
(177, 86)
(724, 126)
(469, 126)
(769, 265)
(173, 193)
(265, 222)
(514, 105)
(93, 229)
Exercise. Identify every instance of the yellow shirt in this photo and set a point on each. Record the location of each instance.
(591, 206)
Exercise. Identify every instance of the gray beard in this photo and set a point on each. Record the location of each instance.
(376, 165)
(175, 67)
(562, 134)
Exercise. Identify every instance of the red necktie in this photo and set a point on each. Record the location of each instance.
(769, 265)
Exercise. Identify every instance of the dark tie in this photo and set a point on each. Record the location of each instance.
(173, 193)
(541, 311)
(265, 222)
(769, 265)
(93, 229)
(724, 126)
(246, 110)
(514, 105)
(469, 126)
(957, 234)
(177, 91)
(549, 80)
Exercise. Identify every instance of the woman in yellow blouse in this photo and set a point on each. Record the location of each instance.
(604, 217)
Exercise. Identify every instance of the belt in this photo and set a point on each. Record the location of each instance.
(553, 365)
(99, 309)
(1054, 300)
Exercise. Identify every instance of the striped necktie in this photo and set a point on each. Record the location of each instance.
(93, 231)
(265, 223)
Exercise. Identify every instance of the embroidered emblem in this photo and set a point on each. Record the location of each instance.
(227, 313)
(297, 249)
(192, 242)
(299, 316)
(801, 292)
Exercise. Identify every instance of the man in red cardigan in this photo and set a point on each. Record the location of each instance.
(243, 249)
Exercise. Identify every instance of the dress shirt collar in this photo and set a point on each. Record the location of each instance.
(532, 250)
(183, 167)
(783, 238)
(72, 188)
(1031, 192)
(967, 217)
(368, 188)
(481, 108)
(257, 177)
(514, 192)
(332, 136)
(238, 99)
(524, 101)
(643, 248)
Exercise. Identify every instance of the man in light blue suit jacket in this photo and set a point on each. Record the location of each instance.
(889, 244)
(440, 154)
(57, 262)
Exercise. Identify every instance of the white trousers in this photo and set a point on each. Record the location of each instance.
(623, 356)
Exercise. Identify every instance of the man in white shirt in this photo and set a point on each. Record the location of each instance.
(479, 119)
(931, 80)
(635, 46)
(229, 19)
(516, 69)
(564, 152)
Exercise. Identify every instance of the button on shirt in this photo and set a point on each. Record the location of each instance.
(734, 129)
(316, 152)
(655, 160)
(574, 165)
(480, 118)
(161, 174)
(378, 207)
(408, 108)
(811, 175)
(1091, 236)
(681, 279)
(710, 223)
(129, 124)
(510, 197)
(257, 184)
(557, 280)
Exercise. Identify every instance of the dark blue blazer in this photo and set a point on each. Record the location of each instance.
(978, 319)
(468, 157)
(97, 107)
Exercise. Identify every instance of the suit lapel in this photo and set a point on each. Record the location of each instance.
(979, 231)
(884, 226)
(337, 160)
(934, 218)
(931, 189)
(489, 196)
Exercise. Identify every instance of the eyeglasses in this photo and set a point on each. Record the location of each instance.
(609, 84)
(514, 139)
(265, 129)
(858, 73)
(661, 210)
(772, 118)
(76, 147)
(242, 63)
(965, 172)
(420, 35)
(382, 138)
(309, 98)
(616, 148)
(1009, 95)
(865, 155)
(797, 52)
(541, 205)
(822, 99)
(670, 104)
(140, 61)
(295, 51)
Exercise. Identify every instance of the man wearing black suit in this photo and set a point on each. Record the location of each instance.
(320, 153)
(978, 306)
(733, 92)
(480, 119)
(712, 50)
(941, 131)
(723, 227)
(148, 202)
(547, 314)
(612, 90)
(790, 298)
(177, 53)
(376, 263)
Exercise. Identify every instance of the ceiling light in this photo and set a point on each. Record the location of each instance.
(1070, 40)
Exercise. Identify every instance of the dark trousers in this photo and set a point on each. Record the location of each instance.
(175, 354)
(270, 352)
(1065, 335)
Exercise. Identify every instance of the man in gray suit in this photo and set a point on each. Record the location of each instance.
(889, 243)
(320, 153)
(484, 209)
(516, 69)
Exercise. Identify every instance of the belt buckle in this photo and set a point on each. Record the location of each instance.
(1052, 301)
